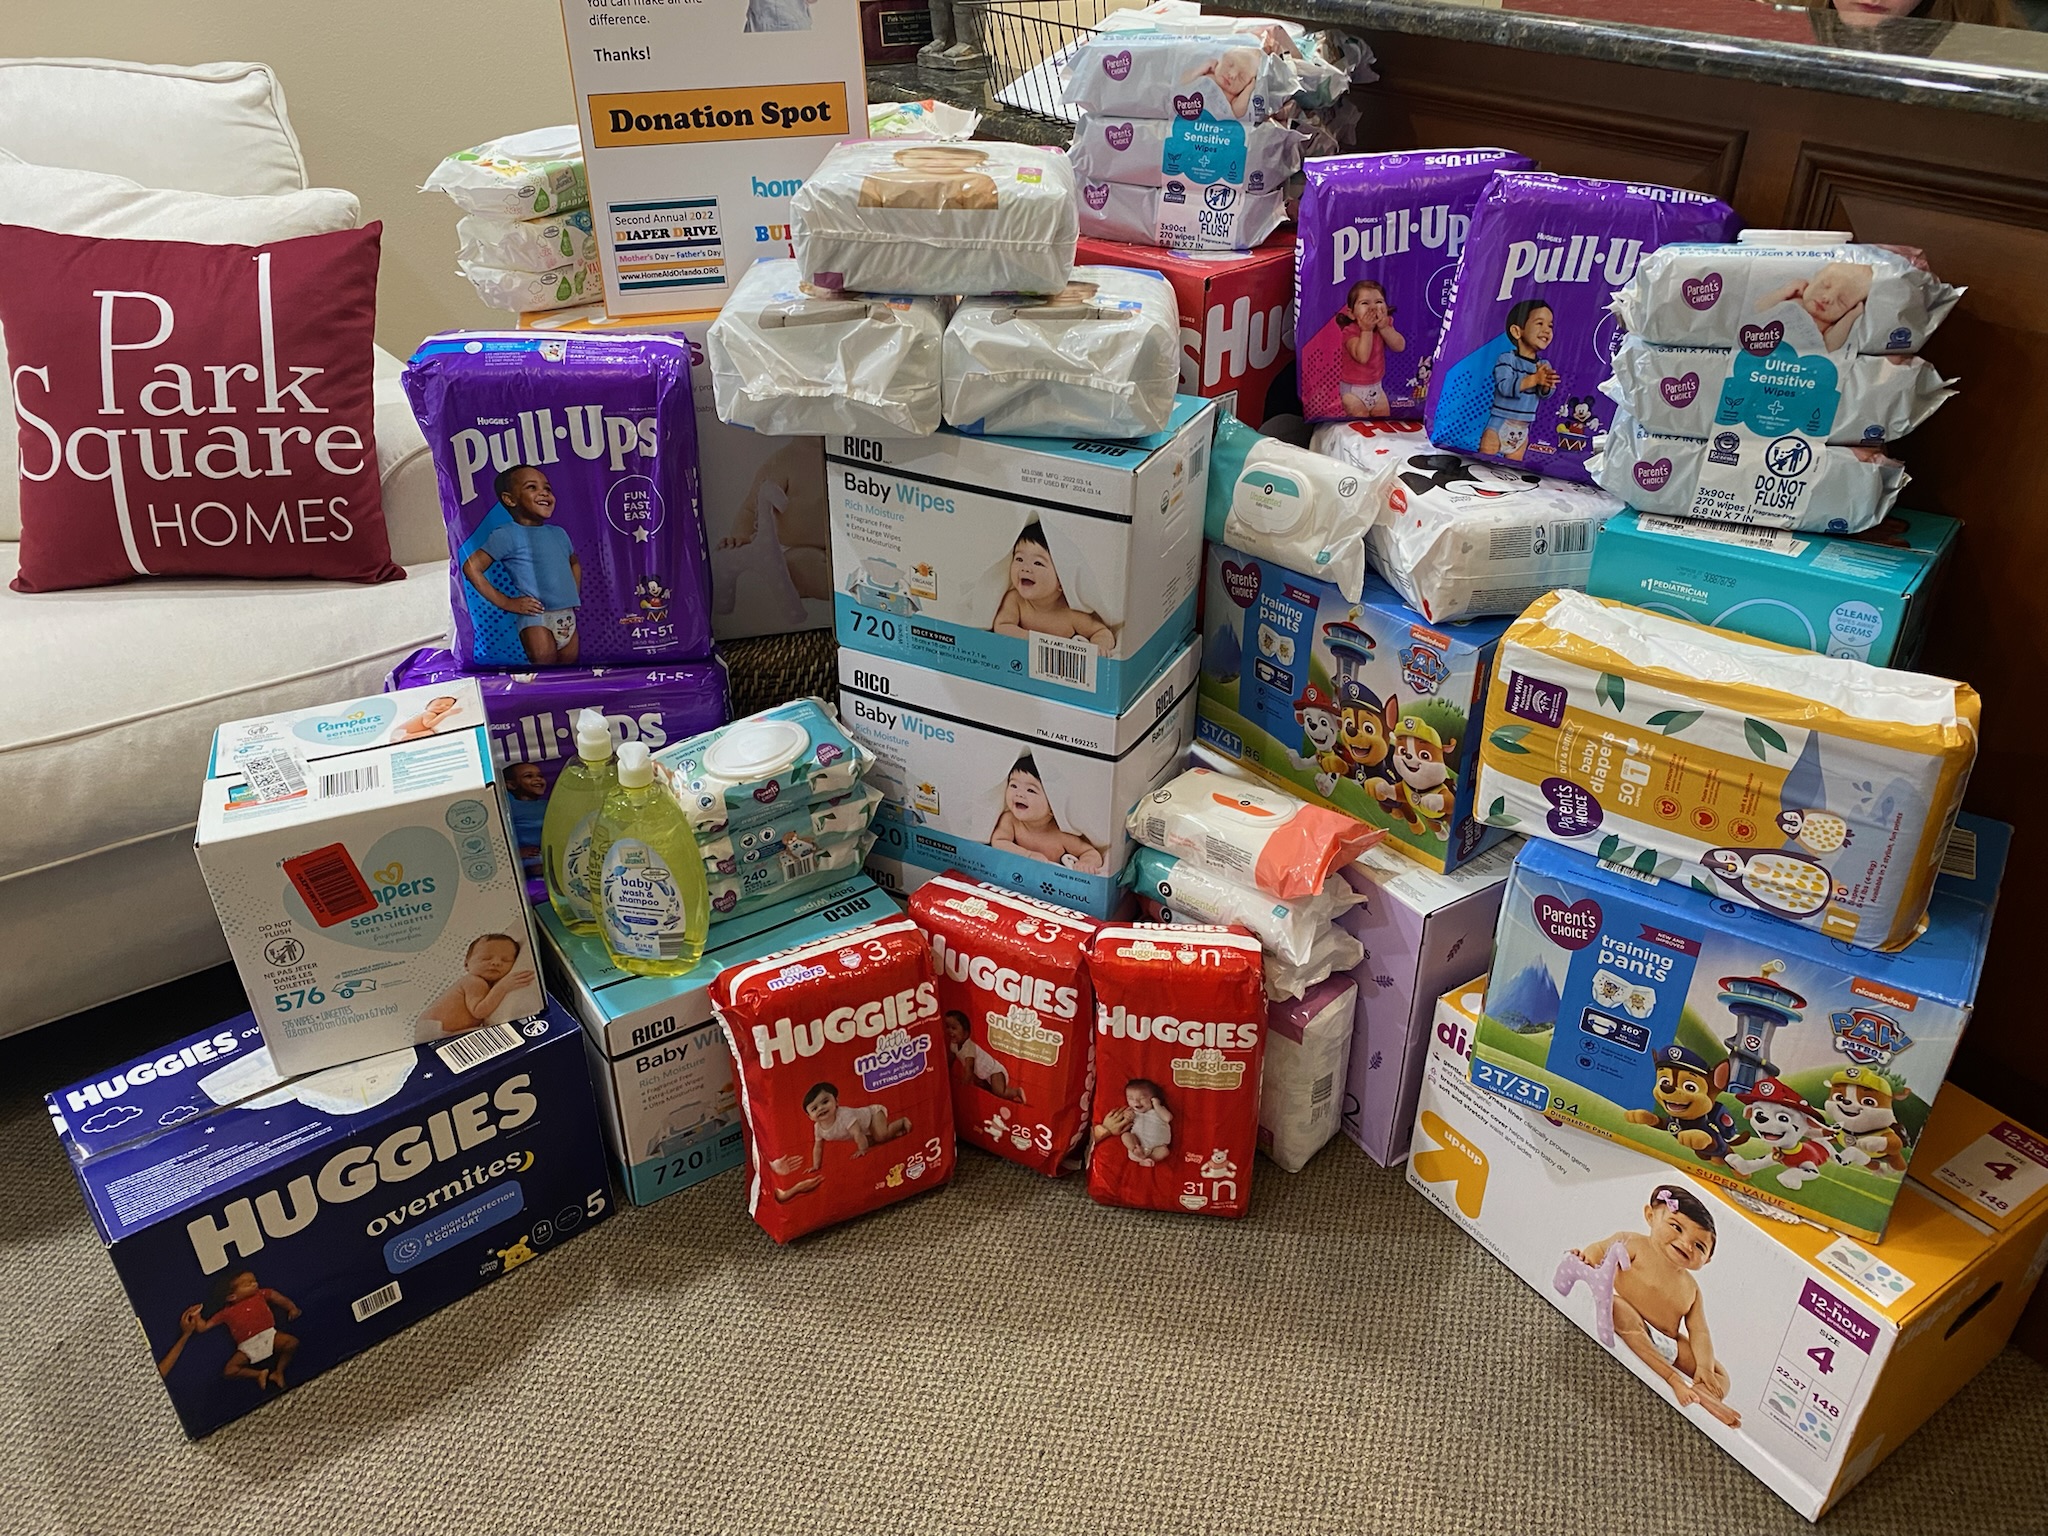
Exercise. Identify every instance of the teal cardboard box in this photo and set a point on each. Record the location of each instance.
(1865, 597)
(663, 1071)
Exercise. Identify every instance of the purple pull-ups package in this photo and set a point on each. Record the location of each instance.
(1375, 248)
(568, 476)
(1530, 338)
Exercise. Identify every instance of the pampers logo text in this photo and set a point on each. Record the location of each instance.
(534, 438)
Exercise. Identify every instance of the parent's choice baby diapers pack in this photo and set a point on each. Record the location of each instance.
(1241, 80)
(360, 863)
(568, 476)
(1815, 788)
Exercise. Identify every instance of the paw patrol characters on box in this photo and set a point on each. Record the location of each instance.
(1750, 1052)
(1704, 757)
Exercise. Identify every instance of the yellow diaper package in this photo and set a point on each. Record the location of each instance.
(1815, 788)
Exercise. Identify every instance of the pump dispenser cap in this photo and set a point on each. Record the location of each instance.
(593, 737)
(636, 768)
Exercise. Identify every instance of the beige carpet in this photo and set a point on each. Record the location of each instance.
(1002, 1356)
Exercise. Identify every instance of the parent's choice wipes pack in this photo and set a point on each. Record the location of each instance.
(1815, 788)
(1692, 391)
(360, 863)
(1180, 216)
(568, 477)
(1376, 245)
(1236, 80)
(1743, 476)
(1530, 338)
(1150, 152)
(1099, 359)
(790, 360)
(1307, 511)
(937, 218)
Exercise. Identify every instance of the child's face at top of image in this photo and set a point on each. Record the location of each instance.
(1237, 69)
(526, 781)
(242, 1287)
(1688, 1244)
(1138, 1098)
(492, 961)
(1537, 331)
(941, 159)
(1836, 289)
(1369, 309)
(822, 1108)
(956, 1029)
(1025, 796)
(529, 497)
(1031, 573)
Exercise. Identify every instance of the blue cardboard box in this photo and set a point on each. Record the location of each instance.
(266, 1229)
(1752, 1052)
(1864, 597)
(1365, 707)
(663, 1070)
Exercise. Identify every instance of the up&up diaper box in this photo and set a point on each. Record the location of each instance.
(1805, 1355)
(267, 1227)
(1422, 932)
(763, 497)
(1866, 597)
(1022, 791)
(1748, 1051)
(1364, 707)
(1057, 567)
(663, 1070)
(360, 862)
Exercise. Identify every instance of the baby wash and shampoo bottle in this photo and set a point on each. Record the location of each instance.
(653, 908)
(565, 833)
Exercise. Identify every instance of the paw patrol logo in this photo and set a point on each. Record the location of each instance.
(1868, 1038)
(1423, 669)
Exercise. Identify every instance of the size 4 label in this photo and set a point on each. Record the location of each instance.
(1998, 1172)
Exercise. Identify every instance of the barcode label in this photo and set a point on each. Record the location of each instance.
(370, 1305)
(273, 775)
(478, 1046)
(330, 885)
(1070, 663)
(351, 781)
(1571, 538)
(1959, 858)
(1319, 1094)
(799, 860)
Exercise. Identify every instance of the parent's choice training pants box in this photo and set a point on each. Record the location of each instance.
(664, 1072)
(360, 863)
(1061, 567)
(699, 120)
(268, 1227)
(1805, 1355)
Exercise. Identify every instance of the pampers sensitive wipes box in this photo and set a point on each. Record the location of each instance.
(360, 862)
(1748, 1051)
(663, 1070)
(1053, 566)
(1007, 787)
(1364, 707)
(267, 1227)
(1804, 1355)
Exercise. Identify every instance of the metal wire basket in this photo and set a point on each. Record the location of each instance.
(1028, 43)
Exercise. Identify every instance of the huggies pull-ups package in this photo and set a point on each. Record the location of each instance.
(1180, 1038)
(842, 1074)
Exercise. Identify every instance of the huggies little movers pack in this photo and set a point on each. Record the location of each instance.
(359, 859)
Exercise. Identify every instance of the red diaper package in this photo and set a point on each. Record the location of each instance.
(1017, 1011)
(842, 1076)
(1180, 1038)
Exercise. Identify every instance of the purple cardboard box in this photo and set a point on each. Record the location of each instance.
(1530, 338)
(1376, 244)
(1424, 933)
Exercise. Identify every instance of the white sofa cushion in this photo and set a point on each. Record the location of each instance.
(405, 469)
(71, 202)
(200, 127)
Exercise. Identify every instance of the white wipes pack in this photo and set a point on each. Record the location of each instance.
(1232, 79)
(1250, 832)
(790, 362)
(1181, 215)
(759, 768)
(523, 292)
(521, 176)
(1308, 1049)
(1307, 511)
(1290, 930)
(1460, 538)
(1776, 288)
(1695, 391)
(1100, 359)
(937, 218)
(1335, 950)
(527, 245)
(1737, 476)
(1151, 151)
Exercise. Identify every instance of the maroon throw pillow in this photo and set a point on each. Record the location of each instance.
(194, 410)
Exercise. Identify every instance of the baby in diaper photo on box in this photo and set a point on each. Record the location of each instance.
(1522, 380)
(1027, 824)
(1036, 601)
(491, 973)
(1363, 331)
(539, 577)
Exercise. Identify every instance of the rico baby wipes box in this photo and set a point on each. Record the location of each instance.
(1364, 707)
(664, 1072)
(1748, 1051)
(360, 863)
(1007, 787)
(1805, 1355)
(267, 1227)
(1056, 567)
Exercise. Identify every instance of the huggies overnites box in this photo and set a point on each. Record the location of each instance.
(268, 1228)
(360, 863)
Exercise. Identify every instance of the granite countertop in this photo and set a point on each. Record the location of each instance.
(969, 88)
(1995, 70)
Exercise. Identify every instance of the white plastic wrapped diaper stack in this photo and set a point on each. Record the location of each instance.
(1761, 381)
(525, 228)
